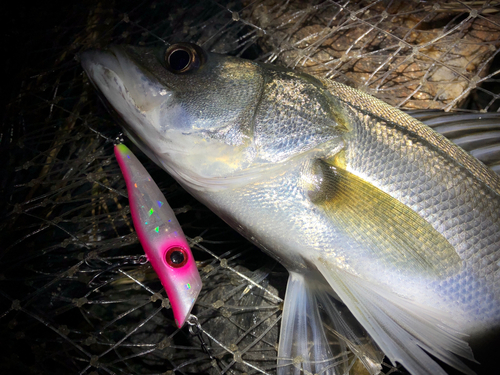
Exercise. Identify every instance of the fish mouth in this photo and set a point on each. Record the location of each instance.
(132, 94)
(115, 73)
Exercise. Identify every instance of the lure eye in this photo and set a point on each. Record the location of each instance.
(176, 257)
(184, 58)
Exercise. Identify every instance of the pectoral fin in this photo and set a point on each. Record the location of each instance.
(391, 232)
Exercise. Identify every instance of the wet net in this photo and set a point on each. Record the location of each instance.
(75, 297)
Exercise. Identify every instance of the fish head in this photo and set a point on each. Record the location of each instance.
(210, 120)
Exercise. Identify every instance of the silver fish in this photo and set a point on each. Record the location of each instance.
(359, 201)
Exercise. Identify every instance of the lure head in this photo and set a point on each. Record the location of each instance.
(161, 236)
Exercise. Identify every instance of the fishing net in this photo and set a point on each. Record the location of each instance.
(75, 296)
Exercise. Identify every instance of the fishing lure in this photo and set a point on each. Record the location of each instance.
(161, 236)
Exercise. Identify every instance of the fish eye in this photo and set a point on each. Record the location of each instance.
(184, 57)
(176, 257)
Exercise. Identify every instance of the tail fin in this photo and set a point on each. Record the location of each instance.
(305, 346)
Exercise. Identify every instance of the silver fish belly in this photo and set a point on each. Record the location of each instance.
(360, 202)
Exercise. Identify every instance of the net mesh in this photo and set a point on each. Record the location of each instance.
(75, 296)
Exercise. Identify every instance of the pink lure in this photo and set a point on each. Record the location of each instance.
(161, 236)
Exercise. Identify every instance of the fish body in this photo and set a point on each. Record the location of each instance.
(161, 236)
(360, 202)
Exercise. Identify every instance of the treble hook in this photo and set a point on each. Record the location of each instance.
(196, 330)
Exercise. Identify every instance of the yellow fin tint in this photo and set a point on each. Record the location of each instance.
(394, 233)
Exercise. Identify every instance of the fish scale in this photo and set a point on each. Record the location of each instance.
(425, 197)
